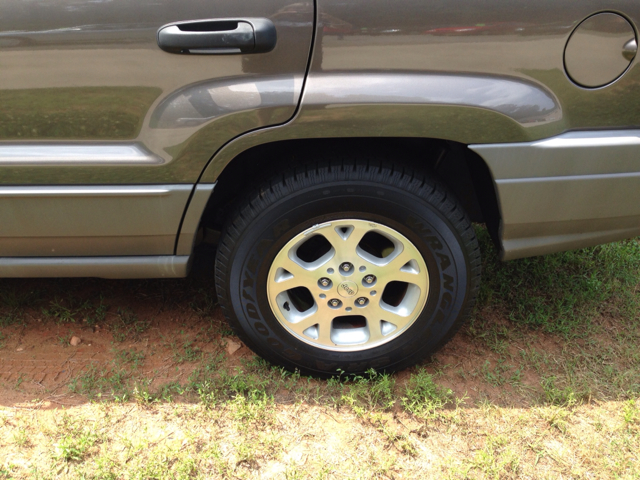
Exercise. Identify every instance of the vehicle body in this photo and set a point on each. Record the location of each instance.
(115, 154)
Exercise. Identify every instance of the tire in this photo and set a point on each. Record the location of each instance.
(281, 258)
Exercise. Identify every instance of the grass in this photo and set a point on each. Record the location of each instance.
(564, 293)
(543, 382)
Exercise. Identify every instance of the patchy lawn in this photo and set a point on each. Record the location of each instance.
(544, 382)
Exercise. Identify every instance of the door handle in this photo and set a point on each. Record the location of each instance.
(219, 36)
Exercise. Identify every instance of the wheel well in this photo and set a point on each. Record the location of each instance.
(460, 169)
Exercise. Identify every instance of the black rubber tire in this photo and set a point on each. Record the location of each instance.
(298, 198)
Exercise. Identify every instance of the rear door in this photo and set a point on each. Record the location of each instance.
(103, 134)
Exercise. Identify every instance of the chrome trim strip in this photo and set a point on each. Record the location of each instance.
(98, 191)
(165, 266)
(70, 154)
(591, 139)
(568, 178)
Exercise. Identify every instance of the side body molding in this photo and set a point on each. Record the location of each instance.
(160, 266)
(460, 107)
(575, 190)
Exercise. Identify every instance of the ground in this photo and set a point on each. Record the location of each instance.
(542, 382)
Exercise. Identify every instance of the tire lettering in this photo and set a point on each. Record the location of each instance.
(447, 281)
(261, 329)
(292, 354)
(447, 300)
(274, 343)
(445, 262)
(434, 243)
(252, 311)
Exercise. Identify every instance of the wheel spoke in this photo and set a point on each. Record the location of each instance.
(406, 277)
(375, 313)
(407, 254)
(324, 333)
(345, 243)
(301, 276)
(375, 330)
(302, 325)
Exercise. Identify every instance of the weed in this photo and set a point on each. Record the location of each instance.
(186, 352)
(16, 298)
(631, 414)
(67, 310)
(369, 391)
(98, 314)
(96, 380)
(422, 397)
(142, 395)
(7, 471)
(12, 317)
(555, 395)
(133, 358)
(65, 339)
(557, 418)
(74, 446)
(400, 441)
(562, 293)
(496, 460)
(21, 438)
(128, 326)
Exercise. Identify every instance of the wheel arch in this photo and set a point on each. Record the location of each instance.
(463, 171)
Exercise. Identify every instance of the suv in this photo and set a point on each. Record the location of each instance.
(338, 153)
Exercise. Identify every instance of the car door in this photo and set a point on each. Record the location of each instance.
(103, 133)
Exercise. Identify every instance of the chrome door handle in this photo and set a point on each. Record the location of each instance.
(219, 36)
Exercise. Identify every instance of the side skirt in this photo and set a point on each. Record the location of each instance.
(165, 266)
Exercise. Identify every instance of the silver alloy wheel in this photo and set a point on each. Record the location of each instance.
(378, 285)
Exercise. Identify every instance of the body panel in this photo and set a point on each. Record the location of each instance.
(576, 190)
(91, 220)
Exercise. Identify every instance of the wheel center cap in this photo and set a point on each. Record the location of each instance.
(347, 289)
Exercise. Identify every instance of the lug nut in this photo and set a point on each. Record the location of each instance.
(369, 279)
(361, 301)
(324, 282)
(345, 267)
(334, 302)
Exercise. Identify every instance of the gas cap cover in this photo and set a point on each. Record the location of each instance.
(600, 50)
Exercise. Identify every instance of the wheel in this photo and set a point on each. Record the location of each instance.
(342, 268)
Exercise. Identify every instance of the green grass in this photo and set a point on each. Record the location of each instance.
(564, 292)
(423, 397)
